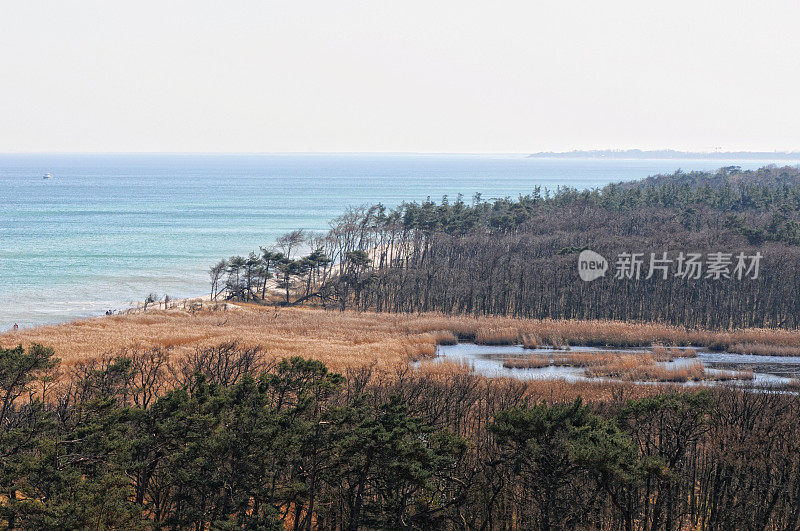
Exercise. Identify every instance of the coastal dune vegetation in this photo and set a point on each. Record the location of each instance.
(351, 339)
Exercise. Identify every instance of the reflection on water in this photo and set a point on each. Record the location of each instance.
(488, 361)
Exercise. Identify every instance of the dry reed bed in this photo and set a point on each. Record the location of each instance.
(340, 339)
(596, 358)
(560, 334)
(497, 336)
(627, 366)
(761, 349)
(528, 362)
(531, 341)
(347, 339)
(460, 373)
(662, 353)
(647, 370)
(744, 374)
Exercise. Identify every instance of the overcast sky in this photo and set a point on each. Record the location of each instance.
(334, 75)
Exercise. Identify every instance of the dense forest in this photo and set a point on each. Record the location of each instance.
(229, 439)
(519, 257)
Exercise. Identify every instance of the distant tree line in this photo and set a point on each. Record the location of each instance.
(518, 257)
(227, 440)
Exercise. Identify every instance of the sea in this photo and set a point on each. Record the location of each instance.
(108, 229)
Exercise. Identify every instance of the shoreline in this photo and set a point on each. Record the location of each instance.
(133, 307)
(36, 300)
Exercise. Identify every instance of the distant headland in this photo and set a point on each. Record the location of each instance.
(669, 154)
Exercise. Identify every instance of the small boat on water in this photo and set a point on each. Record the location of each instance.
(48, 175)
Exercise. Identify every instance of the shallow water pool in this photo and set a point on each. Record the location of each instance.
(772, 371)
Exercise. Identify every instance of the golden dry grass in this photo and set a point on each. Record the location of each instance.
(527, 362)
(629, 366)
(500, 330)
(585, 359)
(497, 336)
(760, 349)
(644, 368)
(745, 374)
(446, 368)
(561, 333)
(445, 337)
(531, 341)
(670, 353)
(340, 339)
(350, 339)
(566, 359)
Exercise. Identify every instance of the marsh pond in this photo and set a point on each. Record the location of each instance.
(682, 365)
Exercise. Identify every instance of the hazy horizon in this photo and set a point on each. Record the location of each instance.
(410, 77)
(435, 153)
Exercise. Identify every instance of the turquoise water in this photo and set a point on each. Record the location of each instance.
(109, 229)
